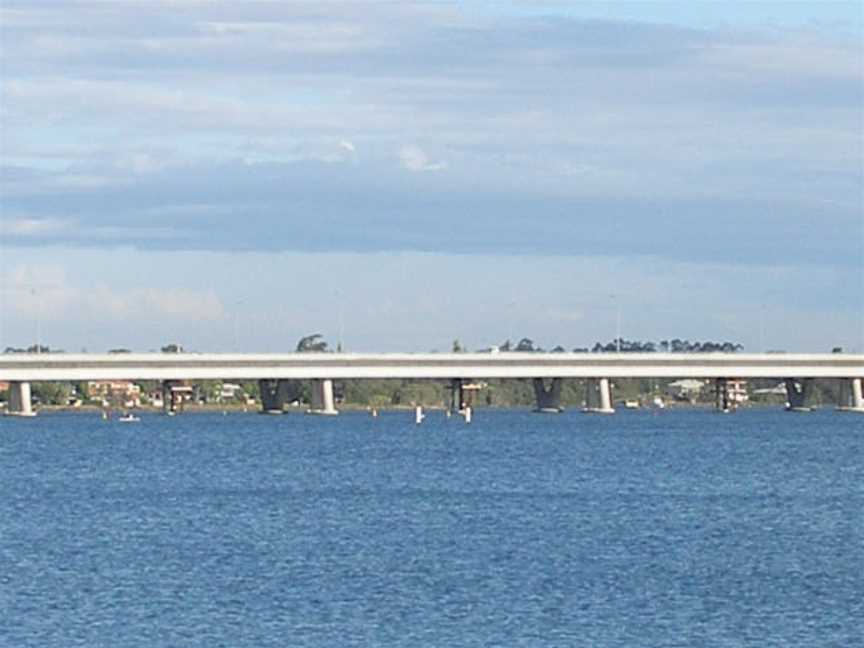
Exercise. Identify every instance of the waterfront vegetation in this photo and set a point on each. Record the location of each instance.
(394, 393)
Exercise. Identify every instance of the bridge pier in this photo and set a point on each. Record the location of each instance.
(796, 394)
(172, 397)
(457, 396)
(598, 397)
(855, 395)
(322, 401)
(20, 403)
(548, 398)
(273, 395)
(462, 397)
(729, 393)
(722, 402)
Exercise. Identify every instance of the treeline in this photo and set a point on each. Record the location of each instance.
(382, 394)
(527, 345)
(33, 348)
(666, 346)
(316, 343)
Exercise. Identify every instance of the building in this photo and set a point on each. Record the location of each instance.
(686, 389)
(121, 392)
(230, 391)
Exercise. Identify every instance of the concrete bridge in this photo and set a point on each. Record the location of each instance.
(547, 370)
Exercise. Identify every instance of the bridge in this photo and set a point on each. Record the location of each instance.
(547, 370)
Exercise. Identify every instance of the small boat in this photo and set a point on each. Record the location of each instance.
(128, 418)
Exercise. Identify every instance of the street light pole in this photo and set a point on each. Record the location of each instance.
(38, 321)
(237, 305)
(617, 323)
(341, 322)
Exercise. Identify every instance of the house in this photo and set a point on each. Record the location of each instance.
(688, 389)
(230, 391)
(124, 392)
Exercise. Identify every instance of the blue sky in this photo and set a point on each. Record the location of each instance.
(237, 175)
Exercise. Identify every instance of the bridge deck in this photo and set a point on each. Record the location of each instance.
(201, 366)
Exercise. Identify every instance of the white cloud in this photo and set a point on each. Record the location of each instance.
(610, 137)
(180, 304)
(48, 291)
(42, 290)
(34, 227)
(147, 304)
(139, 162)
(85, 181)
(566, 315)
(70, 229)
(414, 158)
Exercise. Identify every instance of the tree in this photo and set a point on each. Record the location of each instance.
(457, 347)
(525, 344)
(52, 393)
(33, 348)
(314, 343)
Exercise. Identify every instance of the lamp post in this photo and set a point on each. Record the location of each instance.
(340, 316)
(512, 315)
(617, 323)
(237, 305)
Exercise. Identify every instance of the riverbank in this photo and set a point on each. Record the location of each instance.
(236, 408)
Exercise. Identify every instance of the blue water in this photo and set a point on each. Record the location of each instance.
(682, 528)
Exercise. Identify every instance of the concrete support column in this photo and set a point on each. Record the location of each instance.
(605, 389)
(322, 397)
(273, 395)
(855, 394)
(598, 397)
(721, 395)
(172, 399)
(20, 403)
(796, 394)
(548, 399)
(457, 396)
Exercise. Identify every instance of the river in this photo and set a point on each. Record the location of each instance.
(663, 528)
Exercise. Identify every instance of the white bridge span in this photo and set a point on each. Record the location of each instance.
(248, 366)
(21, 369)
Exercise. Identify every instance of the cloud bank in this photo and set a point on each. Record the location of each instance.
(239, 128)
(521, 131)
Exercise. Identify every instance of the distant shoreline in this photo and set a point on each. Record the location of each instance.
(302, 409)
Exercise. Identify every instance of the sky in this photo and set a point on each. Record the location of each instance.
(233, 176)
